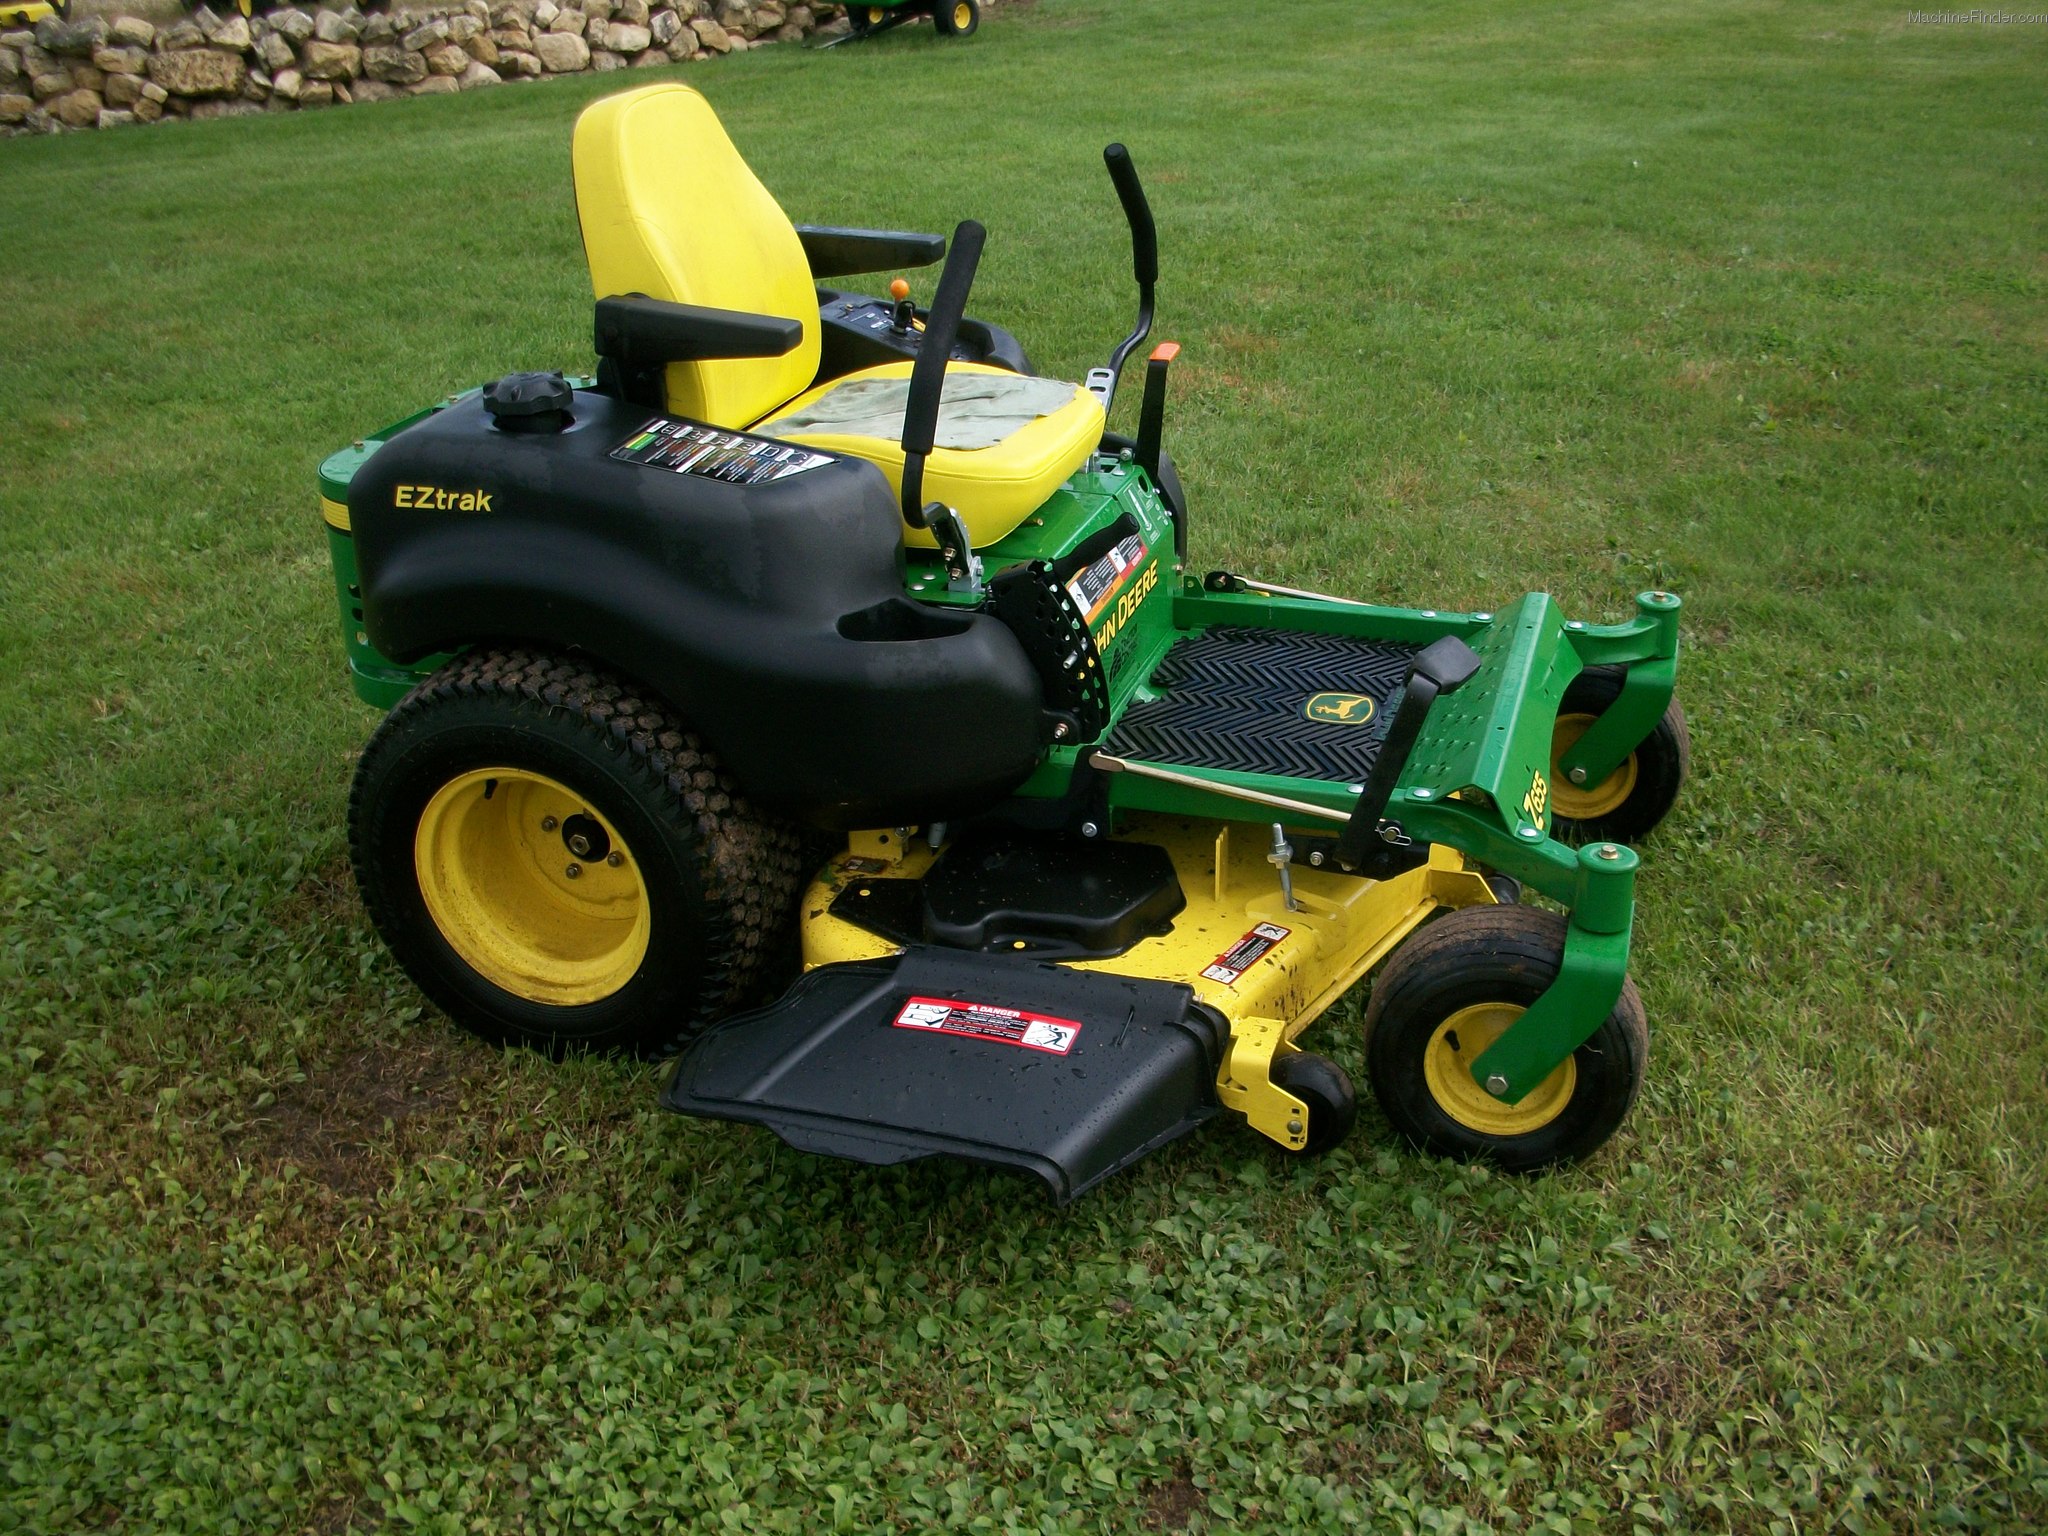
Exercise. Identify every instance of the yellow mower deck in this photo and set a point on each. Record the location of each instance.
(1340, 928)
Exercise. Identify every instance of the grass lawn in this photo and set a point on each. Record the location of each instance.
(1749, 299)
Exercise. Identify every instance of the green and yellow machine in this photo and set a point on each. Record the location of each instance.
(949, 18)
(822, 694)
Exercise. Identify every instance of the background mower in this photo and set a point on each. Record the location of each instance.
(821, 693)
(950, 18)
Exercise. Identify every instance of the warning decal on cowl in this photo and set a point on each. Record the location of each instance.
(985, 1021)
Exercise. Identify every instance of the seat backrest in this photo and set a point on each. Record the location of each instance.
(669, 209)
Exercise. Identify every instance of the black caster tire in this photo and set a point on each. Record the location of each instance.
(864, 18)
(1326, 1089)
(1446, 995)
(1626, 805)
(956, 18)
(556, 862)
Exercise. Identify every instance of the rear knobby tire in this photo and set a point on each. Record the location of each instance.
(956, 18)
(1629, 802)
(1445, 995)
(676, 914)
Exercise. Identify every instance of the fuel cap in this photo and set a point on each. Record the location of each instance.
(529, 402)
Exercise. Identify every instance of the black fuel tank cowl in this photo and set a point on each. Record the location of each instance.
(760, 606)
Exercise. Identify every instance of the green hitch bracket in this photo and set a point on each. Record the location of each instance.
(1588, 981)
(1646, 688)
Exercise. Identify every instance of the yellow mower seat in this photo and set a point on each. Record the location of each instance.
(994, 488)
(670, 210)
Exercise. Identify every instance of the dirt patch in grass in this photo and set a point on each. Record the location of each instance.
(1171, 1504)
(344, 1122)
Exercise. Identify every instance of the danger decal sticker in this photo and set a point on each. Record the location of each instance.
(1246, 953)
(1093, 589)
(685, 448)
(985, 1021)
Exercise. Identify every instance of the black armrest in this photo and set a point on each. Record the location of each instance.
(836, 252)
(637, 332)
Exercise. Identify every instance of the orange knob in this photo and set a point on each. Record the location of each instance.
(899, 289)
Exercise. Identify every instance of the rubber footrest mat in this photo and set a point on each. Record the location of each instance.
(1267, 701)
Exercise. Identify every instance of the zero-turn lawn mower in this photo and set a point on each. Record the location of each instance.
(1104, 838)
(950, 18)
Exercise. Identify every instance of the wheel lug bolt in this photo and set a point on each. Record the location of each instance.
(1577, 775)
(580, 846)
(616, 859)
(548, 823)
(573, 871)
(1496, 1085)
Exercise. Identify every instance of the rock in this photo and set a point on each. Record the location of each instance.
(18, 39)
(275, 52)
(426, 35)
(378, 27)
(800, 16)
(663, 26)
(335, 27)
(446, 59)
(87, 77)
(39, 121)
(478, 74)
(524, 65)
(330, 61)
(768, 16)
(712, 35)
(123, 90)
(147, 111)
(258, 88)
(372, 90)
(594, 28)
(77, 109)
(109, 119)
(480, 10)
(633, 12)
(206, 111)
(603, 62)
(10, 66)
(56, 35)
(316, 93)
(740, 44)
(648, 59)
(343, 96)
(393, 65)
(203, 17)
(15, 109)
(462, 28)
(624, 37)
(292, 22)
(545, 12)
(233, 33)
(130, 60)
(562, 53)
(286, 83)
(179, 35)
(789, 32)
(511, 37)
(49, 87)
(435, 85)
(199, 72)
(131, 32)
(482, 49)
(566, 23)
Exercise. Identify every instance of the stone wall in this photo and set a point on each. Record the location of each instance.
(105, 72)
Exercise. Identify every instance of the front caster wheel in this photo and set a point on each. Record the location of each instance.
(1629, 802)
(557, 863)
(1323, 1086)
(956, 18)
(1446, 995)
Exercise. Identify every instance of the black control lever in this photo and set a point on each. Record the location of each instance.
(1441, 667)
(1102, 382)
(928, 373)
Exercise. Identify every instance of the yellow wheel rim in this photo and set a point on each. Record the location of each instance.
(1590, 801)
(961, 16)
(875, 14)
(1447, 1068)
(494, 864)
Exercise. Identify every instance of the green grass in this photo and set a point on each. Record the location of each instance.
(1744, 298)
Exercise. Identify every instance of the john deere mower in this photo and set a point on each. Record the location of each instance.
(949, 18)
(821, 694)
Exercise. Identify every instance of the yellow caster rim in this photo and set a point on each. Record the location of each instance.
(522, 907)
(875, 15)
(1585, 802)
(962, 15)
(1447, 1068)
